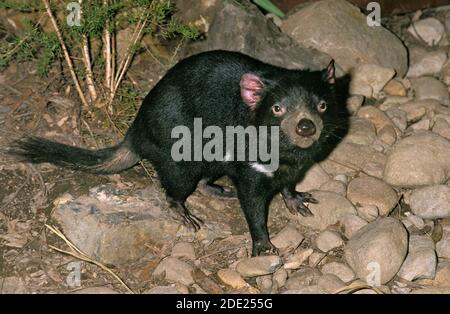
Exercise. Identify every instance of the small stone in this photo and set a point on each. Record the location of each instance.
(398, 117)
(12, 285)
(313, 179)
(340, 270)
(296, 260)
(420, 263)
(175, 270)
(416, 221)
(354, 103)
(361, 131)
(369, 79)
(328, 211)
(162, 290)
(184, 249)
(418, 160)
(429, 30)
(316, 258)
(305, 276)
(264, 283)
(335, 186)
(314, 289)
(258, 266)
(422, 125)
(368, 212)
(96, 290)
(288, 238)
(372, 191)
(341, 177)
(442, 127)
(430, 202)
(330, 283)
(280, 277)
(388, 135)
(382, 244)
(426, 87)
(395, 88)
(426, 63)
(350, 224)
(328, 240)
(445, 73)
(376, 116)
(232, 278)
(443, 248)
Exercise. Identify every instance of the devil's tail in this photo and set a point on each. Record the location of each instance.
(103, 161)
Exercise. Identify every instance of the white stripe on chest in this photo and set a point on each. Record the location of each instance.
(261, 168)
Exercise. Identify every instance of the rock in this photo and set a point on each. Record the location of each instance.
(443, 248)
(380, 246)
(429, 30)
(431, 202)
(174, 270)
(354, 102)
(12, 285)
(375, 115)
(328, 240)
(398, 118)
(395, 88)
(313, 179)
(235, 27)
(346, 36)
(427, 87)
(416, 110)
(316, 258)
(113, 228)
(442, 128)
(420, 263)
(442, 277)
(330, 283)
(426, 63)
(303, 277)
(388, 135)
(369, 79)
(368, 212)
(280, 277)
(349, 158)
(314, 289)
(232, 278)
(334, 186)
(96, 290)
(445, 73)
(258, 266)
(264, 283)
(184, 249)
(340, 270)
(417, 160)
(162, 290)
(422, 125)
(361, 131)
(328, 211)
(351, 223)
(296, 260)
(432, 290)
(372, 191)
(342, 178)
(416, 221)
(288, 238)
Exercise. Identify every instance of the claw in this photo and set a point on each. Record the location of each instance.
(296, 203)
(264, 247)
(182, 214)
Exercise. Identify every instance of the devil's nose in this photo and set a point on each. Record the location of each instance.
(306, 128)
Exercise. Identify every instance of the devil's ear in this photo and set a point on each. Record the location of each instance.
(329, 74)
(251, 89)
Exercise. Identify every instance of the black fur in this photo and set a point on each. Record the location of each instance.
(207, 86)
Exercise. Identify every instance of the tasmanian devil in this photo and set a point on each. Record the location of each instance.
(223, 89)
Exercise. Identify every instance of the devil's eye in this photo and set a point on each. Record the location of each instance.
(322, 107)
(278, 110)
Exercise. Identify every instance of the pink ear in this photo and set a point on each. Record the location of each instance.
(251, 86)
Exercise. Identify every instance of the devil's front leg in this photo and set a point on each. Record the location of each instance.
(255, 199)
(296, 202)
